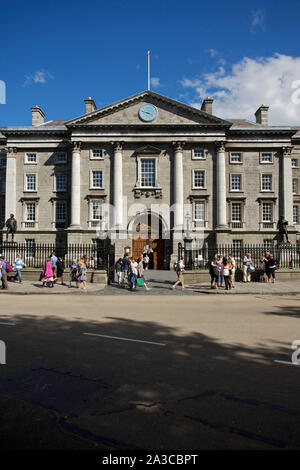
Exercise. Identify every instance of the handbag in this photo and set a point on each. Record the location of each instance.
(251, 268)
(140, 282)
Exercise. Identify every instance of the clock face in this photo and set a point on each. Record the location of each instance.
(148, 112)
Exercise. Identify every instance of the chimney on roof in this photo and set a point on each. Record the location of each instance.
(261, 115)
(207, 105)
(37, 116)
(90, 105)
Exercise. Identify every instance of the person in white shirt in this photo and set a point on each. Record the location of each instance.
(18, 265)
(133, 273)
(246, 265)
(180, 271)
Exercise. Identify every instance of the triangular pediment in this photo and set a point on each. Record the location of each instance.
(169, 112)
(148, 149)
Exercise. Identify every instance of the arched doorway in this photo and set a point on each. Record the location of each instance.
(148, 236)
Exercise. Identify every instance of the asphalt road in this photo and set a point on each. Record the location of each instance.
(200, 375)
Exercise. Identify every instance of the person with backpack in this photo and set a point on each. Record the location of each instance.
(180, 271)
(3, 272)
(18, 265)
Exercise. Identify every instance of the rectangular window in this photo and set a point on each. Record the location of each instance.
(236, 212)
(61, 182)
(199, 210)
(296, 214)
(148, 169)
(236, 182)
(198, 153)
(97, 154)
(30, 212)
(30, 182)
(267, 212)
(294, 162)
(199, 179)
(97, 179)
(96, 210)
(30, 158)
(61, 157)
(295, 186)
(266, 157)
(235, 157)
(60, 212)
(266, 182)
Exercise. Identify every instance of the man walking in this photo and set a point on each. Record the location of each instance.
(54, 260)
(4, 273)
(180, 271)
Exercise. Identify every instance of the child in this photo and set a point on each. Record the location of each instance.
(73, 271)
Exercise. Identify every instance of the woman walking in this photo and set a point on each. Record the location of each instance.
(247, 268)
(213, 270)
(119, 270)
(60, 268)
(226, 266)
(133, 274)
(81, 275)
(270, 268)
(141, 274)
(18, 265)
(47, 274)
(232, 270)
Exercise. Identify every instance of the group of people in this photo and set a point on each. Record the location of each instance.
(131, 271)
(54, 270)
(222, 270)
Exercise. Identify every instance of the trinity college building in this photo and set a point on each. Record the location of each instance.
(145, 168)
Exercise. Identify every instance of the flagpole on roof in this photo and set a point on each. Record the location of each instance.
(148, 54)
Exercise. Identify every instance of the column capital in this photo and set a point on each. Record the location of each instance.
(117, 145)
(76, 146)
(287, 151)
(220, 146)
(178, 145)
(11, 151)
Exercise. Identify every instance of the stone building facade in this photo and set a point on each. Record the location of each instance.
(146, 170)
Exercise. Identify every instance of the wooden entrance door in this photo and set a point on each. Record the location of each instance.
(145, 237)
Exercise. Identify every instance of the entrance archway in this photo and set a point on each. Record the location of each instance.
(148, 235)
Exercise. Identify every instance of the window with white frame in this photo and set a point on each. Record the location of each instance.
(235, 157)
(236, 182)
(295, 186)
(61, 182)
(97, 179)
(96, 154)
(236, 212)
(199, 179)
(30, 184)
(30, 158)
(30, 211)
(266, 182)
(61, 157)
(266, 157)
(3, 186)
(148, 172)
(294, 162)
(3, 162)
(96, 210)
(267, 212)
(199, 154)
(199, 210)
(60, 211)
(295, 214)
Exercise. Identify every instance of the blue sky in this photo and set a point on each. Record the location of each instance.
(57, 53)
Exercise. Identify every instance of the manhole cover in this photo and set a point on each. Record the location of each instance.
(59, 390)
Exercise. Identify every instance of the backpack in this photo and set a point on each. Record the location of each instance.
(175, 266)
(9, 268)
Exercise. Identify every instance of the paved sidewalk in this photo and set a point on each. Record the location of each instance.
(160, 283)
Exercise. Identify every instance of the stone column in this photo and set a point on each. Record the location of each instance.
(287, 185)
(221, 186)
(178, 184)
(11, 182)
(118, 184)
(75, 186)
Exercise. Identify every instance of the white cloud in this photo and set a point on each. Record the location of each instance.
(41, 76)
(213, 52)
(250, 83)
(258, 21)
(155, 82)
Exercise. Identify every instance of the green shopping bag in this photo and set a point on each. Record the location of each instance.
(140, 282)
